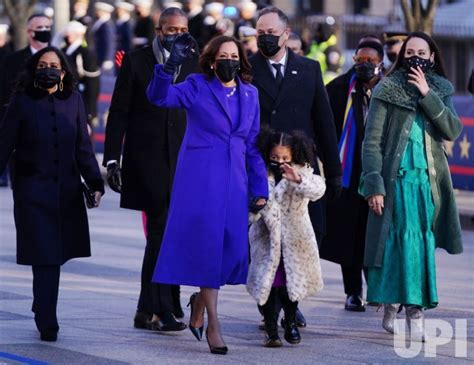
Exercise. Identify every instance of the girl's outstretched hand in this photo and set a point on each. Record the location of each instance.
(290, 173)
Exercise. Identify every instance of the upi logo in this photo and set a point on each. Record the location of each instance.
(436, 332)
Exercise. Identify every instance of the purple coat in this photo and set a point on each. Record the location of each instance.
(219, 167)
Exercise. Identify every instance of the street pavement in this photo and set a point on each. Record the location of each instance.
(98, 298)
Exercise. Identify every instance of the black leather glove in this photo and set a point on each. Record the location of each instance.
(183, 45)
(253, 207)
(114, 177)
(334, 187)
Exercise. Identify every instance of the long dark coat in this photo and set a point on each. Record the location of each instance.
(152, 135)
(10, 68)
(53, 149)
(346, 216)
(300, 103)
(104, 42)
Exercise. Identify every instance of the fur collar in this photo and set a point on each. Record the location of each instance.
(395, 89)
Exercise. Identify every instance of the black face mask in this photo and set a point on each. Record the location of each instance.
(275, 169)
(268, 44)
(47, 77)
(392, 56)
(167, 41)
(414, 61)
(43, 36)
(226, 70)
(365, 71)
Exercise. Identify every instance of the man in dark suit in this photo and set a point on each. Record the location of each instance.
(38, 35)
(347, 215)
(144, 30)
(124, 26)
(152, 140)
(195, 13)
(292, 96)
(103, 32)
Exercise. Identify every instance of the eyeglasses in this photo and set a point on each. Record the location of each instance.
(360, 59)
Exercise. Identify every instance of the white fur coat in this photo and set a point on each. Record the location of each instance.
(284, 226)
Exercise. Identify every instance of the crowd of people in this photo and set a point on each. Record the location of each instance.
(247, 167)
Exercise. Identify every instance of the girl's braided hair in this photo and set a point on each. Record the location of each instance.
(301, 146)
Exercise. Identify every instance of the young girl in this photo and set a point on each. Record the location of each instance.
(284, 253)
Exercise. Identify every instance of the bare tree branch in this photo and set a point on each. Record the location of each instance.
(409, 21)
(18, 11)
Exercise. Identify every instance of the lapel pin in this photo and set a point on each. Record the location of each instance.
(294, 72)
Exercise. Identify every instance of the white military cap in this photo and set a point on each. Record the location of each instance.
(214, 8)
(246, 32)
(75, 27)
(3, 28)
(124, 5)
(173, 4)
(247, 5)
(104, 7)
(144, 3)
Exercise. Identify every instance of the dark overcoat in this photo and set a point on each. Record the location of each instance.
(53, 149)
(104, 42)
(124, 36)
(11, 67)
(346, 216)
(300, 103)
(151, 136)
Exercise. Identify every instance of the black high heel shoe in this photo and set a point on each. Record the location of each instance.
(197, 332)
(216, 350)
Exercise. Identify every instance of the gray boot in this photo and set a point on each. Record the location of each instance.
(389, 316)
(415, 323)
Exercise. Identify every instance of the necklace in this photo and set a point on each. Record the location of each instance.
(234, 89)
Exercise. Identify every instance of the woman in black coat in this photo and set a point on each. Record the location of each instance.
(45, 125)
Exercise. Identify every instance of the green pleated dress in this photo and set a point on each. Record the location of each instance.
(408, 272)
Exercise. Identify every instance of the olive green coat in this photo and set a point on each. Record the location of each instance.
(392, 111)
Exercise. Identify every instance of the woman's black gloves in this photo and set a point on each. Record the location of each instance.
(182, 47)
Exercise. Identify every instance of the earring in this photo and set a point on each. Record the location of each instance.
(212, 67)
(61, 86)
(35, 83)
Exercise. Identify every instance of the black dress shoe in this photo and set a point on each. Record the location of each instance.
(167, 323)
(354, 303)
(292, 335)
(216, 350)
(300, 320)
(272, 341)
(142, 320)
(178, 312)
(49, 335)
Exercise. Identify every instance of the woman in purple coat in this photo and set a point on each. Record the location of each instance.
(219, 171)
(45, 125)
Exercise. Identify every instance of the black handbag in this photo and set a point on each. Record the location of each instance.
(89, 195)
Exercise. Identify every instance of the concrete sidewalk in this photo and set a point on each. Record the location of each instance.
(98, 297)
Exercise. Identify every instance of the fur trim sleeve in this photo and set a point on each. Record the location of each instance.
(311, 187)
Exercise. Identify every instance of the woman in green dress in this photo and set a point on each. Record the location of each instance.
(407, 183)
